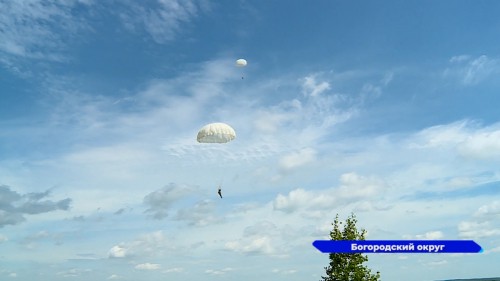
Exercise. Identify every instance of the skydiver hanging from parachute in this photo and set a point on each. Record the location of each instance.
(241, 63)
(220, 192)
(216, 133)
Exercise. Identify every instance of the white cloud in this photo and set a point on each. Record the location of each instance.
(483, 223)
(489, 212)
(174, 270)
(312, 88)
(148, 245)
(136, 134)
(441, 135)
(460, 181)
(148, 266)
(472, 229)
(165, 20)
(114, 277)
(218, 272)
(493, 250)
(252, 245)
(300, 198)
(387, 78)
(31, 30)
(74, 272)
(438, 263)
(284, 271)
(352, 187)
(431, 235)
(260, 228)
(466, 137)
(3, 238)
(117, 252)
(471, 71)
(262, 238)
(270, 120)
(482, 145)
(459, 58)
(370, 91)
(297, 159)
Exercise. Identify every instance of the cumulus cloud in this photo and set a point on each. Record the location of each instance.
(352, 187)
(300, 198)
(147, 245)
(252, 245)
(117, 251)
(14, 206)
(218, 272)
(493, 250)
(489, 212)
(174, 269)
(148, 266)
(161, 201)
(262, 238)
(485, 222)
(473, 229)
(431, 235)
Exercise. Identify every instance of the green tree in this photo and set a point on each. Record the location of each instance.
(349, 266)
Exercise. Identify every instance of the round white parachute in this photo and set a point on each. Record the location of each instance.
(216, 133)
(241, 63)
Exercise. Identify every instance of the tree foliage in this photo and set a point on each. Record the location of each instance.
(349, 266)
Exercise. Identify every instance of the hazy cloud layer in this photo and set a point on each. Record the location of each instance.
(164, 21)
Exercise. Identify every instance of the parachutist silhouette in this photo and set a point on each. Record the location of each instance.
(220, 192)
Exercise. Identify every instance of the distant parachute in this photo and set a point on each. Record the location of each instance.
(216, 133)
(241, 63)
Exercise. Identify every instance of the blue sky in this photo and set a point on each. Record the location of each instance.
(385, 109)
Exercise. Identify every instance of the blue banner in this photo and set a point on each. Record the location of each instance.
(397, 246)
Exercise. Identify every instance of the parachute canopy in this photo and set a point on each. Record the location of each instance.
(241, 62)
(216, 133)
